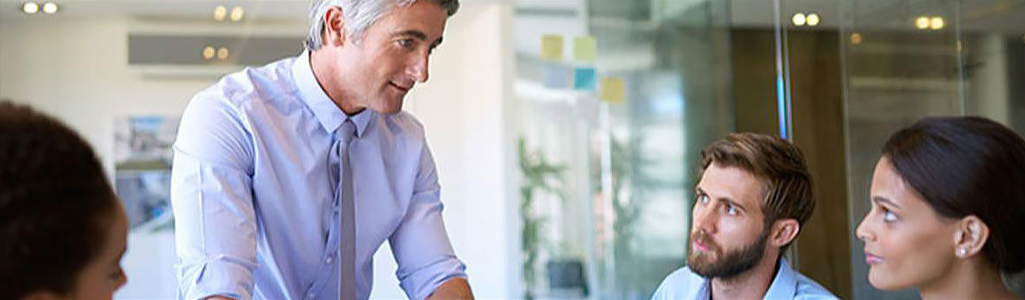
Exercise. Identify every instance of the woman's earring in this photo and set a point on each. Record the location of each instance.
(961, 252)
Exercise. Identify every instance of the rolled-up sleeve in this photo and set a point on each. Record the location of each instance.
(211, 197)
(420, 244)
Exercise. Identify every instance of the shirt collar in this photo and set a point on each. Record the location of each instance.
(326, 111)
(784, 285)
(705, 290)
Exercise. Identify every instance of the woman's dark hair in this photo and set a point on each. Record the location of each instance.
(56, 205)
(969, 166)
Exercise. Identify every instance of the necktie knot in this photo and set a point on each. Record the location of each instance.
(346, 132)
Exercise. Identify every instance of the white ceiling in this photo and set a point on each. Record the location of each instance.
(991, 15)
(181, 9)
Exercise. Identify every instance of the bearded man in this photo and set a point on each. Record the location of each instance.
(754, 195)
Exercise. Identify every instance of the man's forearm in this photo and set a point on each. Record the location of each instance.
(455, 288)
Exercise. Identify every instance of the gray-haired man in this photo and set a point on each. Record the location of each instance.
(288, 178)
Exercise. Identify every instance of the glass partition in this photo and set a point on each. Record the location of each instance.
(617, 128)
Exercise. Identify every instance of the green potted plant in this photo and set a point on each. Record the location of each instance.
(540, 178)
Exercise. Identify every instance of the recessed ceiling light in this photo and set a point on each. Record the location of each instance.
(208, 52)
(220, 12)
(237, 13)
(922, 22)
(936, 23)
(799, 19)
(50, 8)
(813, 19)
(223, 53)
(30, 7)
(855, 38)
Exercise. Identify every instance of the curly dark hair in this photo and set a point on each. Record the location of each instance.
(969, 166)
(55, 203)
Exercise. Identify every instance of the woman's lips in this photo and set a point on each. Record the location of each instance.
(872, 259)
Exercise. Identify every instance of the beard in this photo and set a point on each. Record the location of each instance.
(728, 264)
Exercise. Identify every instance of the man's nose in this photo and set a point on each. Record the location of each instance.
(418, 69)
(705, 219)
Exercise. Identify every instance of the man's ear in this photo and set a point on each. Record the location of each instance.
(970, 236)
(783, 232)
(334, 27)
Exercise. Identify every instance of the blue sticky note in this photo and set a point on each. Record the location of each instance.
(554, 76)
(583, 79)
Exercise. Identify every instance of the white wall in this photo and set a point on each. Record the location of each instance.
(76, 69)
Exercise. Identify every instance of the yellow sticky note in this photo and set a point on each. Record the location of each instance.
(584, 48)
(551, 47)
(612, 89)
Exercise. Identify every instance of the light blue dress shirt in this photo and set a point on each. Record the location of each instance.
(684, 284)
(253, 194)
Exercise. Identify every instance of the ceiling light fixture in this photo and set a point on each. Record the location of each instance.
(30, 7)
(855, 38)
(922, 22)
(208, 53)
(50, 8)
(813, 19)
(223, 53)
(936, 23)
(219, 13)
(237, 13)
(799, 19)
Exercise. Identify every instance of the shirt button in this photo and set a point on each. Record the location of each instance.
(310, 296)
(328, 260)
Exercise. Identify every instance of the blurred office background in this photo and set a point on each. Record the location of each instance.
(566, 132)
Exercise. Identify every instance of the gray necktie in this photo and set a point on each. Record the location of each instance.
(347, 243)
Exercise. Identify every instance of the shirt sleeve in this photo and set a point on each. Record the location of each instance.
(420, 244)
(211, 197)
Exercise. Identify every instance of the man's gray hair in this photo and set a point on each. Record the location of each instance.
(358, 16)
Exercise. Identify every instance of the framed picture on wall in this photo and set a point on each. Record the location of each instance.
(142, 169)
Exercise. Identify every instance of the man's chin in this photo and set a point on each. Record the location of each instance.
(700, 264)
(387, 109)
(725, 265)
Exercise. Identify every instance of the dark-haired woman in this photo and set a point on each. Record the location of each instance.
(948, 210)
(62, 229)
